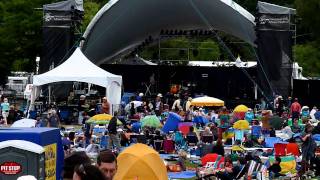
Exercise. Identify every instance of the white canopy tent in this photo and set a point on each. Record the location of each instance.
(79, 68)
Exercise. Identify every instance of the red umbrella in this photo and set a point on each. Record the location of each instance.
(184, 127)
(209, 158)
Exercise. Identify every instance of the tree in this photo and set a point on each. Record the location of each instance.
(308, 56)
(308, 11)
(207, 50)
(91, 8)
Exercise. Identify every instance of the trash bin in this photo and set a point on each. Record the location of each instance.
(18, 158)
(48, 138)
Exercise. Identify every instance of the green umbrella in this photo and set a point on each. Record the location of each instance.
(151, 121)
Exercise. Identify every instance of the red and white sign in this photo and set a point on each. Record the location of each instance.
(10, 168)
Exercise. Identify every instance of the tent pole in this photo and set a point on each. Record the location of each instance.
(49, 92)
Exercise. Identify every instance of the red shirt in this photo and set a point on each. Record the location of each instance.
(295, 107)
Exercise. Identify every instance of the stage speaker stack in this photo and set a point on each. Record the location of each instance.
(275, 30)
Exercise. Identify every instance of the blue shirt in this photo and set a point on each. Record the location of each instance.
(5, 106)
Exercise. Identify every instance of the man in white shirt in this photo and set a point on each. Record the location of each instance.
(177, 104)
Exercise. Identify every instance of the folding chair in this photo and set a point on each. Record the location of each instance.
(207, 139)
(192, 140)
(168, 146)
(158, 145)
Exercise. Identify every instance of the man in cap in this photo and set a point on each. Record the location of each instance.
(159, 105)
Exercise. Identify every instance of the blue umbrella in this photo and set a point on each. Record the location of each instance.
(200, 119)
(136, 127)
(172, 122)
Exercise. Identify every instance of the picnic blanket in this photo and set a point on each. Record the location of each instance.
(182, 175)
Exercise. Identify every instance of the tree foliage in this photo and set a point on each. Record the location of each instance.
(21, 36)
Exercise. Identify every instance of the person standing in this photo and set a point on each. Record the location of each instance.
(5, 106)
(177, 104)
(159, 105)
(188, 104)
(114, 139)
(295, 109)
(308, 148)
(53, 119)
(105, 107)
(280, 107)
(81, 107)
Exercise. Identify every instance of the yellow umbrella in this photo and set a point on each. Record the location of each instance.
(207, 101)
(139, 162)
(241, 108)
(101, 117)
(241, 124)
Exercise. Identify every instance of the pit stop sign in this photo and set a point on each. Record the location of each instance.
(10, 168)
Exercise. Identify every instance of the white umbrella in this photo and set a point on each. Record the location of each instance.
(24, 123)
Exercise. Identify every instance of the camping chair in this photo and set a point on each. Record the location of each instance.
(280, 149)
(205, 149)
(207, 139)
(104, 142)
(242, 172)
(158, 145)
(142, 139)
(256, 131)
(192, 140)
(238, 135)
(254, 167)
(168, 146)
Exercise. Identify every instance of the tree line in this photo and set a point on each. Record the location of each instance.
(21, 36)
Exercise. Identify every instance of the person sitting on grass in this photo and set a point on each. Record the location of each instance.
(275, 168)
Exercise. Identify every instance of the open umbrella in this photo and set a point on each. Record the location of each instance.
(276, 122)
(241, 124)
(150, 121)
(136, 127)
(172, 122)
(184, 127)
(241, 108)
(25, 123)
(101, 119)
(214, 158)
(240, 111)
(140, 161)
(207, 101)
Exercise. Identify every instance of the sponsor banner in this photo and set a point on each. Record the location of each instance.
(50, 161)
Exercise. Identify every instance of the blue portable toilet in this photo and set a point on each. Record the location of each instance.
(48, 138)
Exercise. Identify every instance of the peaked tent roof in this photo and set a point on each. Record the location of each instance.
(77, 68)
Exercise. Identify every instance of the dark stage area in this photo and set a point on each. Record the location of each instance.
(228, 83)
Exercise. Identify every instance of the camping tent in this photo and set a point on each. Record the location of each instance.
(79, 68)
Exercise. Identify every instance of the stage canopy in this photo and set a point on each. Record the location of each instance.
(79, 68)
(123, 24)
